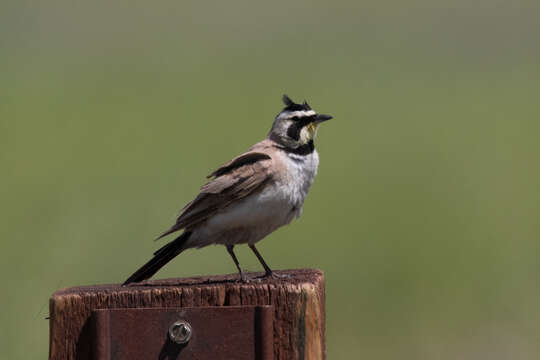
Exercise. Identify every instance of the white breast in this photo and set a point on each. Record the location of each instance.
(301, 173)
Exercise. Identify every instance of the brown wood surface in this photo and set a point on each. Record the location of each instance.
(298, 300)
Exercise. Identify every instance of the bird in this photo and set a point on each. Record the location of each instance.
(250, 196)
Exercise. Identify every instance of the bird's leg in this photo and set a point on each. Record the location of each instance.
(267, 270)
(231, 252)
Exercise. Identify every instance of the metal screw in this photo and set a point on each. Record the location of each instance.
(180, 332)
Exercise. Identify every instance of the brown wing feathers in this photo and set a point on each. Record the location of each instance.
(232, 181)
(244, 159)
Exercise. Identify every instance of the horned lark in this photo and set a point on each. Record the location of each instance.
(250, 196)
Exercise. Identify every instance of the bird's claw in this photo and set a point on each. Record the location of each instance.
(276, 276)
(243, 279)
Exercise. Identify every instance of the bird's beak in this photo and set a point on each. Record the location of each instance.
(321, 117)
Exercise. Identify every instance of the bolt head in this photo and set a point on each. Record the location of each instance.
(180, 332)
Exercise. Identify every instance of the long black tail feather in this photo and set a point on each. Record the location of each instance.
(161, 257)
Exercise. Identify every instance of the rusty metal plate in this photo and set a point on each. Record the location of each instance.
(228, 332)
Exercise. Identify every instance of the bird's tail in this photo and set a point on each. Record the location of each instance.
(161, 257)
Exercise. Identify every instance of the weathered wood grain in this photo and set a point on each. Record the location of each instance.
(298, 300)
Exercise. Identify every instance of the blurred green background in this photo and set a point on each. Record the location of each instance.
(425, 212)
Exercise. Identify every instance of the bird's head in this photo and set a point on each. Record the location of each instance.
(296, 125)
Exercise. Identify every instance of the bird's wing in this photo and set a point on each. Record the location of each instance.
(244, 159)
(233, 181)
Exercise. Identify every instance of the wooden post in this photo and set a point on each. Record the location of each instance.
(297, 300)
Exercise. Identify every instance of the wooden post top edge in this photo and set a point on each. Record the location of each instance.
(293, 277)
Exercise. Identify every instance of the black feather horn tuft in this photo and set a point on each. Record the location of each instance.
(292, 106)
(287, 100)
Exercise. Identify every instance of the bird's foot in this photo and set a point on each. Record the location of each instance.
(243, 279)
(275, 276)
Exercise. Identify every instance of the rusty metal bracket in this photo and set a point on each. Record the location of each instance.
(221, 332)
